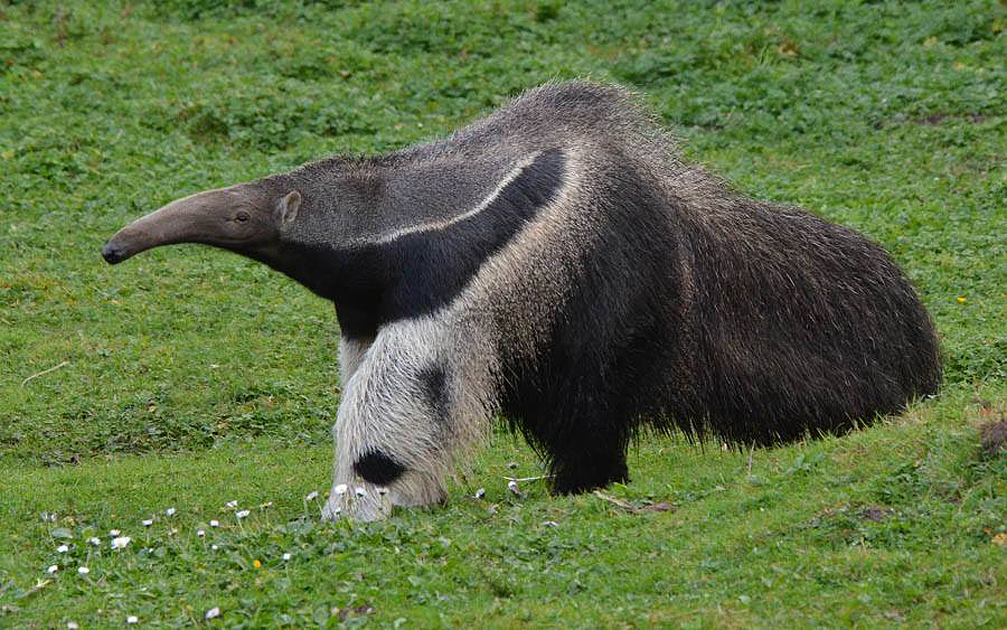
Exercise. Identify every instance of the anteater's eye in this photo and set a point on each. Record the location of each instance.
(241, 217)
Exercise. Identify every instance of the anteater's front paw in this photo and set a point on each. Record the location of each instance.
(359, 501)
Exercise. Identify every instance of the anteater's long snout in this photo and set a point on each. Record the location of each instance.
(192, 219)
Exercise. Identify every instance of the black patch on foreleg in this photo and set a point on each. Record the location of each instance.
(434, 381)
(378, 468)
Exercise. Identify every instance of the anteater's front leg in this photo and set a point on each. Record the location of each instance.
(416, 400)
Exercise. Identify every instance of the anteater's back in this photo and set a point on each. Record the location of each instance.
(701, 308)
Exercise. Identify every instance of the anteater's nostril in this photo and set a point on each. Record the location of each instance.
(111, 253)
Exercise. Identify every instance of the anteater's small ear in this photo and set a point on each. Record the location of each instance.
(288, 207)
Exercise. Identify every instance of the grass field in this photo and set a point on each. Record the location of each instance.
(189, 378)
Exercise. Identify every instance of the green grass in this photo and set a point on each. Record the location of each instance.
(891, 525)
(188, 377)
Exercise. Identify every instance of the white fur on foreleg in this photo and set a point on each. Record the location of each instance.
(403, 418)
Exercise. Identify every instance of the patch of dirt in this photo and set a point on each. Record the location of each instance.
(345, 613)
(874, 513)
(936, 119)
(932, 120)
(993, 437)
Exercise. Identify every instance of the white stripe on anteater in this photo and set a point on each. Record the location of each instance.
(440, 225)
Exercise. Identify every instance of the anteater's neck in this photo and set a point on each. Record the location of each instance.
(411, 257)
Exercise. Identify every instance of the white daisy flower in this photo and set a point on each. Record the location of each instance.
(311, 496)
(63, 548)
(72, 625)
(242, 513)
(214, 523)
(214, 547)
(83, 570)
(147, 522)
(232, 504)
(132, 619)
(52, 569)
(120, 542)
(212, 613)
(94, 540)
(200, 533)
(114, 532)
(170, 511)
(286, 556)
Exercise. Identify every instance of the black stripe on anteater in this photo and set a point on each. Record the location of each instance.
(421, 272)
(378, 468)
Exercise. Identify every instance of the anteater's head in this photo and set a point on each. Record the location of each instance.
(247, 219)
